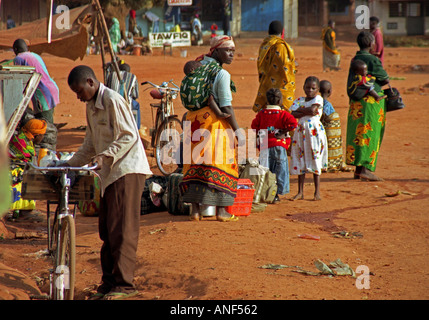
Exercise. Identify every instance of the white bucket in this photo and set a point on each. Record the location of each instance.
(183, 53)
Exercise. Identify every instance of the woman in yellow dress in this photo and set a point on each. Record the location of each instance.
(276, 67)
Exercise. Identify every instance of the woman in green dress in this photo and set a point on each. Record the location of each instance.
(366, 118)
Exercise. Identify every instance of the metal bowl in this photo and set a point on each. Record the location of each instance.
(207, 211)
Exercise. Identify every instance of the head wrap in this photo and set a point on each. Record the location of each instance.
(218, 42)
(34, 127)
(133, 13)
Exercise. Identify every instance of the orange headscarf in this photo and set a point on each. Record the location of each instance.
(34, 127)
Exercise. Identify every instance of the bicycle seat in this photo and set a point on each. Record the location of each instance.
(156, 94)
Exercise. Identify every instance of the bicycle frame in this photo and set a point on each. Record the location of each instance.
(165, 108)
(63, 219)
(164, 120)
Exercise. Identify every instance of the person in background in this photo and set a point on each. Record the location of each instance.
(115, 34)
(331, 55)
(21, 151)
(213, 29)
(10, 23)
(276, 67)
(154, 19)
(331, 121)
(378, 49)
(132, 23)
(197, 30)
(366, 117)
(47, 94)
(128, 88)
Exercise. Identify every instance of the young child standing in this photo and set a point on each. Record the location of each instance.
(332, 124)
(309, 151)
(276, 121)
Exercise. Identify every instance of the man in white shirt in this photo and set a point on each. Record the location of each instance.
(152, 17)
(112, 141)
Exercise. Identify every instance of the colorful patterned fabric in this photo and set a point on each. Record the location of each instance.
(21, 148)
(366, 119)
(47, 94)
(309, 151)
(197, 86)
(17, 202)
(332, 125)
(360, 86)
(276, 69)
(213, 160)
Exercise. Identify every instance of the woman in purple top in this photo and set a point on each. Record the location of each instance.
(47, 94)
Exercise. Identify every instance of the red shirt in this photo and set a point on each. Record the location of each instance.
(379, 44)
(272, 118)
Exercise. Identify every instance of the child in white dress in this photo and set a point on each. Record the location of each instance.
(309, 151)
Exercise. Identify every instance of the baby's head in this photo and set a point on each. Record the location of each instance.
(325, 88)
(191, 66)
(359, 67)
(274, 97)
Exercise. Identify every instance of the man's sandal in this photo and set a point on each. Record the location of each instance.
(97, 296)
(119, 295)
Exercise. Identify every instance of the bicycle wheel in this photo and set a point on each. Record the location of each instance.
(168, 146)
(65, 262)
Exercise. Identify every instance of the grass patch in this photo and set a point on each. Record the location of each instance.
(406, 41)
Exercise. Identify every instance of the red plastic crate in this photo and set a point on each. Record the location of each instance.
(243, 201)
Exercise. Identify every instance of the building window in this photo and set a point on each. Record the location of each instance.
(397, 9)
(392, 26)
(338, 7)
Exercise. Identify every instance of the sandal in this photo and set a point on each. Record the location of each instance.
(119, 295)
(97, 296)
(229, 219)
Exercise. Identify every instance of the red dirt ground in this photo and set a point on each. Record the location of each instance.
(208, 260)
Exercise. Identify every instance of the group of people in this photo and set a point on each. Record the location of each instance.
(123, 167)
(308, 127)
(316, 143)
(331, 53)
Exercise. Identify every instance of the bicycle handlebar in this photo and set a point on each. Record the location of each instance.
(163, 85)
(91, 169)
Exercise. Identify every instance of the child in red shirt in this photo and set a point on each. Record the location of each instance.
(276, 123)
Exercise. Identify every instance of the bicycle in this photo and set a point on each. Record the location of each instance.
(167, 132)
(62, 232)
